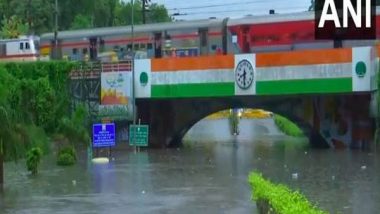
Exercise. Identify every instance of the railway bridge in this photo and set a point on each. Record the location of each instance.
(330, 93)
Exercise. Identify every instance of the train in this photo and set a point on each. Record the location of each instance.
(249, 34)
(24, 48)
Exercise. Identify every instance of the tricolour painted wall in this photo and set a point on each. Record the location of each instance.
(281, 73)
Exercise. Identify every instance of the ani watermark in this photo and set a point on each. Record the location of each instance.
(345, 19)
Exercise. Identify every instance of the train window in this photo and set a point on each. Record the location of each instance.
(129, 46)
(27, 46)
(3, 49)
(84, 51)
(136, 46)
(75, 51)
(150, 46)
(203, 36)
(234, 39)
(142, 46)
(21, 46)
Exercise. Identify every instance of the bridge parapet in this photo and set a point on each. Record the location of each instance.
(281, 73)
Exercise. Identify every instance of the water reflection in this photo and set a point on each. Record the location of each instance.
(204, 177)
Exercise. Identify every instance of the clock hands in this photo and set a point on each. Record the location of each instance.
(244, 76)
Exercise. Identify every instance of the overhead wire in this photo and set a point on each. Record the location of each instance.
(221, 5)
(232, 11)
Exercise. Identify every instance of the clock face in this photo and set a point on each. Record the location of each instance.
(244, 74)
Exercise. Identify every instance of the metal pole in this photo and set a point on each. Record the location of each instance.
(133, 77)
(1, 165)
(55, 53)
(143, 11)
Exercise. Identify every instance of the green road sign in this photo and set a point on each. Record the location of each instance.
(138, 135)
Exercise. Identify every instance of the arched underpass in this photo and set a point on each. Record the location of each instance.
(170, 119)
(234, 125)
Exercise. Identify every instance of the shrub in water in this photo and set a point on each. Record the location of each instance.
(66, 157)
(287, 126)
(277, 198)
(33, 159)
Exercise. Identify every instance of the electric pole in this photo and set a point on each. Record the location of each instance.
(56, 31)
(144, 10)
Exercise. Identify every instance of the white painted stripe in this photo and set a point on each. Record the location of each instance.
(193, 76)
(320, 71)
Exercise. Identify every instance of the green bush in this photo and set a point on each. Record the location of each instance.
(33, 159)
(34, 97)
(277, 198)
(74, 128)
(65, 160)
(66, 157)
(287, 126)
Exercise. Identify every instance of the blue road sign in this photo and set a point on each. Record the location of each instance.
(103, 135)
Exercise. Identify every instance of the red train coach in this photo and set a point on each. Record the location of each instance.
(250, 34)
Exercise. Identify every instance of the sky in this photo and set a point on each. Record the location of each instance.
(200, 9)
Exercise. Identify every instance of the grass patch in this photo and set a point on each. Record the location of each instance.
(279, 199)
(287, 127)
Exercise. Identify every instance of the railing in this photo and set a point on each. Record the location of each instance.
(121, 66)
(93, 70)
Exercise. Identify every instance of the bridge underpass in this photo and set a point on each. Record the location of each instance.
(181, 114)
(328, 93)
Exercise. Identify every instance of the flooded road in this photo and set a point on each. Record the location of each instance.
(208, 176)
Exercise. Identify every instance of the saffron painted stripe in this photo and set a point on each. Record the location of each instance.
(194, 76)
(301, 86)
(308, 57)
(193, 90)
(319, 71)
(193, 63)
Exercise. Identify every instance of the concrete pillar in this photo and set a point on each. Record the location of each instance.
(159, 116)
(362, 123)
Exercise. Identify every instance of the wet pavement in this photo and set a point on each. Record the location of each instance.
(205, 176)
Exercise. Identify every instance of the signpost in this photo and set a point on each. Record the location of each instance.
(103, 135)
(139, 135)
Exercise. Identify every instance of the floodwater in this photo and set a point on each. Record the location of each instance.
(205, 176)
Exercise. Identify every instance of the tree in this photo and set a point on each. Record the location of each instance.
(38, 14)
(81, 22)
(123, 13)
(158, 13)
(13, 27)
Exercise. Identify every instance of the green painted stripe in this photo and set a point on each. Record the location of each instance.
(305, 86)
(193, 90)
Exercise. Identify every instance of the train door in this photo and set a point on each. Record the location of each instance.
(3, 50)
(56, 49)
(93, 48)
(158, 45)
(203, 40)
(245, 34)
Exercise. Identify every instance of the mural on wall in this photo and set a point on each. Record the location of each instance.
(335, 123)
(116, 88)
(116, 95)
